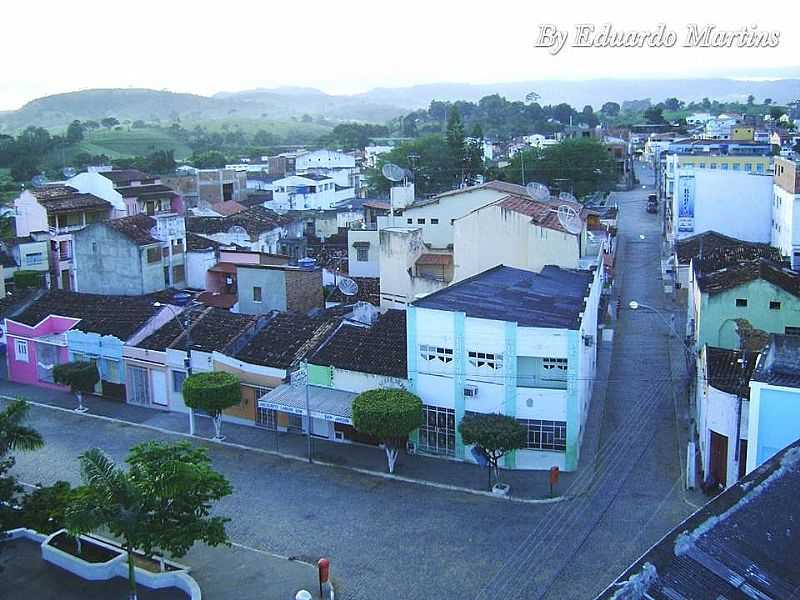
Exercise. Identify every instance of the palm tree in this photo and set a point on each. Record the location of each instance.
(108, 499)
(13, 434)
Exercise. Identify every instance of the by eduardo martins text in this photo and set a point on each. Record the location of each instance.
(555, 39)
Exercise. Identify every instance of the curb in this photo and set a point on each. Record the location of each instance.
(361, 471)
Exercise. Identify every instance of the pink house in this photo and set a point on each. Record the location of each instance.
(34, 350)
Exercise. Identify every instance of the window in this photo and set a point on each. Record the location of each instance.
(736, 166)
(748, 166)
(713, 165)
(153, 255)
(420, 221)
(21, 350)
(266, 417)
(486, 359)
(178, 273)
(431, 353)
(724, 166)
(36, 258)
(792, 331)
(760, 168)
(546, 435)
(555, 363)
(742, 302)
(773, 305)
(256, 294)
(177, 246)
(410, 221)
(138, 386)
(178, 377)
(702, 165)
(434, 221)
(362, 254)
(294, 423)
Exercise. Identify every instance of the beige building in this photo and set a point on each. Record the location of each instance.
(518, 232)
(435, 216)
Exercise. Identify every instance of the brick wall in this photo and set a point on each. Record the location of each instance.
(304, 290)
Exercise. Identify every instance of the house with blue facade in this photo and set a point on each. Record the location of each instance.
(774, 412)
(511, 342)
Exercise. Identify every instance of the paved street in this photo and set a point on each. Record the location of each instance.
(388, 539)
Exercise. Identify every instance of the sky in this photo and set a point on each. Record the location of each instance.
(344, 47)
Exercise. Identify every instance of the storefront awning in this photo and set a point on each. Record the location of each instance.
(325, 403)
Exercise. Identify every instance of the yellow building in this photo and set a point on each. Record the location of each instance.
(743, 134)
(756, 164)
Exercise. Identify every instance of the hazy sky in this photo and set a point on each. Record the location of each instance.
(206, 46)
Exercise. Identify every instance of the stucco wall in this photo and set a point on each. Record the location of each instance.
(774, 421)
(718, 312)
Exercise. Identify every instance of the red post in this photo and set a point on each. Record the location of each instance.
(553, 478)
(324, 567)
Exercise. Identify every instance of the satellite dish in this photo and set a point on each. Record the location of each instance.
(538, 191)
(70, 172)
(39, 181)
(392, 172)
(569, 219)
(567, 197)
(347, 286)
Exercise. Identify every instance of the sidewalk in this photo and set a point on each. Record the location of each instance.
(467, 477)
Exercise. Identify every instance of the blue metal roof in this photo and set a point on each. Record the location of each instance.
(553, 298)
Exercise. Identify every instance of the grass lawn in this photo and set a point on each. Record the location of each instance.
(281, 127)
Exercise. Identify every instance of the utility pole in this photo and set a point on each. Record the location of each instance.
(308, 410)
(522, 163)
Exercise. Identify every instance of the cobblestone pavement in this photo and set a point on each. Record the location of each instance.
(389, 539)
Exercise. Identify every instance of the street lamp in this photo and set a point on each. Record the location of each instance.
(187, 362)
(688, 353)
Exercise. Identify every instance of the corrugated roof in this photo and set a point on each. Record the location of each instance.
(730, 370)
(780, 361)
(738, 273)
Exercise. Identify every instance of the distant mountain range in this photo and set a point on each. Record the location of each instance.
(377, 105)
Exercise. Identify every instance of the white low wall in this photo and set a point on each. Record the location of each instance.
(116, 567)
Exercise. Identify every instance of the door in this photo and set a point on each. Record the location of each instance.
(742, 458)
(438, 433)
(65, 280)
(320, 428)
(718, 463)
(159, 388)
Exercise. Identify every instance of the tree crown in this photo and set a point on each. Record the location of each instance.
(497, 434)
(387, 414)
(212, 392)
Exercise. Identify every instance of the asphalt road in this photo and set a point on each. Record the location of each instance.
(394, 540)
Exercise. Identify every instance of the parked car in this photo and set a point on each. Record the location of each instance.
(652, 203)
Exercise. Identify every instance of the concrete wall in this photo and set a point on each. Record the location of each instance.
(774, 421)
(108, 262)
(716, 314)
(494, 235)
(281, 289)
(786, 223)
(734, 203)
(197, 265)
(29, 214)
(399, 249)
(372, 266)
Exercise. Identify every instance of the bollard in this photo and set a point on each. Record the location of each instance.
(324, 567)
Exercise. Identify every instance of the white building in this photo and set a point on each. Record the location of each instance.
(698, 118)
(408, 269)
(734, 203)
(311, 191)
(338, 166)
(786, 210)
(723, 406)
(495, 344)
(719, 128)
(436, 216)
(516, 231)
(371, 154)
(363, 252)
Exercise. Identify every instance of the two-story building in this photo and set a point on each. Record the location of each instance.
(511, 342)
(338, 166)
(27, 253)
(311, 191)
(131, 256)
(60, 210)
(520, 232)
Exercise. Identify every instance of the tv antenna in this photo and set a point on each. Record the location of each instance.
(69, 172)
(569, 219)
(392, 172)
(347, 286)
(39, 181)
(538, 191)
